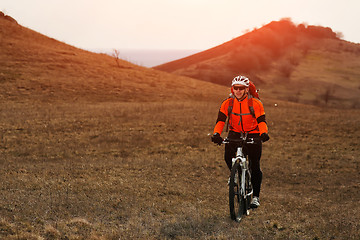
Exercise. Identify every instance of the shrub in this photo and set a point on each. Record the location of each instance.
(286, 68)
(320, 32)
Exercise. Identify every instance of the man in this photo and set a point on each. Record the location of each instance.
(246, 115)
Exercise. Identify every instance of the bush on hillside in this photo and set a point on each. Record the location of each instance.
(286, 68)
(320, 32)
(294, 58)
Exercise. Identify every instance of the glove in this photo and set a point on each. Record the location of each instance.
(216, 139)
(264, 137)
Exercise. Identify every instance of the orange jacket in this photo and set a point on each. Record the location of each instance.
(241, 119)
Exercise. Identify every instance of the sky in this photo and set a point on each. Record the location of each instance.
(173, 24)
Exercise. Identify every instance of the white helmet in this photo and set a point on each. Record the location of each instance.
(240, 80)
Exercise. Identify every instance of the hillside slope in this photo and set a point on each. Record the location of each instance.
(36, 67)
(298, 63)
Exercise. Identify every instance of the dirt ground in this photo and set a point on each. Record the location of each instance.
(148, 170)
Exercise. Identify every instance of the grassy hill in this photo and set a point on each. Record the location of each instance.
(308, 64)
(90, 149)
(37, 67)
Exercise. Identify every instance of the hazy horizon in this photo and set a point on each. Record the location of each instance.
(149, 57)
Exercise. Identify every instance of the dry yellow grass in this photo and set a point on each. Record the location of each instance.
(38, 68)
(78, 162)
(117, 170)
(332, 67)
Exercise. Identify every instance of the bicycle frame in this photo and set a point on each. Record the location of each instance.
(241, 158)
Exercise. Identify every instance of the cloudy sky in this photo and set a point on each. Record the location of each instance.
(173, 24)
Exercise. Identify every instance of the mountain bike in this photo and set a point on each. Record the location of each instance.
(240, 187)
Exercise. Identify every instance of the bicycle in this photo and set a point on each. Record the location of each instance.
(240, 187)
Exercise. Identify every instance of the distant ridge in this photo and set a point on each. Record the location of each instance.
(252, 51)
(298, 59)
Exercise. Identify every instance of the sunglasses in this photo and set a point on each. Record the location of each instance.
(239, 88)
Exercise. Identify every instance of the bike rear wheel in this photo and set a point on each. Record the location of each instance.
(237, 202)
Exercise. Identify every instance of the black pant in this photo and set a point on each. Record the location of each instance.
(254, 153)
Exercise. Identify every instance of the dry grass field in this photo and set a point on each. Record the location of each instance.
(117, 170)
(90, 149)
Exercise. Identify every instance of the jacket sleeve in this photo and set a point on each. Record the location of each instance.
(222, 116)
(260, 116)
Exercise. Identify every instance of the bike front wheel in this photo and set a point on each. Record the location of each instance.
(248, 192)
(237, 202)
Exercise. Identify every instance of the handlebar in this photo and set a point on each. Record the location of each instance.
(241, 141)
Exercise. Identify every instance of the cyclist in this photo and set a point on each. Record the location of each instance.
(242, 120)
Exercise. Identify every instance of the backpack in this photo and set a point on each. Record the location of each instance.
(253, 93)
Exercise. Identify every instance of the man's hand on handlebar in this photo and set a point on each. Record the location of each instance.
(217, 139)
(264, 137)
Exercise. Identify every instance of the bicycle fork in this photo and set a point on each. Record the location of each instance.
(242, 192)
(242, 161)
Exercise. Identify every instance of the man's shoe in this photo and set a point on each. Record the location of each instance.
(255, 202)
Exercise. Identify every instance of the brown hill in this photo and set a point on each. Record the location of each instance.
(36, 67)
(298, 63)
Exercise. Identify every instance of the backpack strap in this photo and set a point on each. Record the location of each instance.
(230, 107)
(251, 105)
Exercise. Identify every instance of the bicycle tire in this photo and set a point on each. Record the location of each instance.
(237, 202)
(248, 189)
